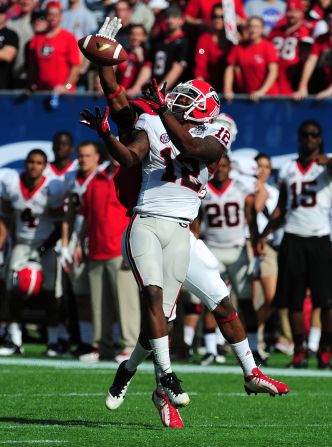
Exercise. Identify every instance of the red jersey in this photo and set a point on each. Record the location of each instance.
(106, 217)
(52, 58)
(287, 45)
(126, 72)
(202, 9)
(253, 60)
(322, 48)
(210, 61)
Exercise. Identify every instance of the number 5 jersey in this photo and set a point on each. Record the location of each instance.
(171, 182)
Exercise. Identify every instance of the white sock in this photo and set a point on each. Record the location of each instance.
(314, 338)
(220, 338)
(244, 355)
(252, 340)
(85, 332)
(161, 353)
(15, 333)
(210, 341)
(188, 335)
(137, 357)
(63, 334)
(52, 335)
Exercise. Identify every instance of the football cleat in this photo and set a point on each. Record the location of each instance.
(169, 415)
(208, 359)
(9, 348)
(257, 382)
(172, 387)
(299, 360)
(324, 360)
(118, 389)
(52, 350)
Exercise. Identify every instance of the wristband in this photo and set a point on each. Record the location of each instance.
(115, 94)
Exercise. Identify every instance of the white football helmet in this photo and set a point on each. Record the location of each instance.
(196, 99)
(28, 278)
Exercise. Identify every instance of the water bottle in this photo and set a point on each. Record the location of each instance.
(54, 100)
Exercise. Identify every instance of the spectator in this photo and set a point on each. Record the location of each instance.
(321, 52)
(142, 13)
(8, 50)
(305, 251)
(54, 56)
(198, 12)
(258, 64)
(123, 11)
(112, 285)
(22, 26)
(100, 9)
(271, 11)
(167, 58)
(286, 37)
(159, 27)
(78, 19)
(211, 51)
(126, 73)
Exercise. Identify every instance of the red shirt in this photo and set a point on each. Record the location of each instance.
(287, 45)
(126, 72)
(322, 48)
(201, 9)
(210, 61)
(106, 217)
(253, 60)
(53, 58)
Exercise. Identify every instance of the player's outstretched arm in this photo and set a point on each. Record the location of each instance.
(207, 149)
(127, 156)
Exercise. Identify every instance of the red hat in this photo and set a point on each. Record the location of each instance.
(54, 4)
(295, 4)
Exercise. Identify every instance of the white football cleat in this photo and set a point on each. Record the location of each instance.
(169, 415)
(257, 382)
(118, 389)
(172, 387)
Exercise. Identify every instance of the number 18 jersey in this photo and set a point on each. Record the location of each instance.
(171, 182)
(309, 198)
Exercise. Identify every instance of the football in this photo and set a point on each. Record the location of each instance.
(101, 50)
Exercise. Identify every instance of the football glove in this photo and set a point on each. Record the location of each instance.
(155, 97)
(97, 122)
(110, 28)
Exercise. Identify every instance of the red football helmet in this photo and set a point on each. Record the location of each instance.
(28, 278)
(196, 99)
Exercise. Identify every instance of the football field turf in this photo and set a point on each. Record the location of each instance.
(60, 402)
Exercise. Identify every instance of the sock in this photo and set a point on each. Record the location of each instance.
(15, 333)
(137, 357)
(314, 338)
(220, 338)
(252, 340)
(188, 335)
(52, 335)
(85, 332)
(161, 353)
(244, 355)
(210, 340)
(63, 334)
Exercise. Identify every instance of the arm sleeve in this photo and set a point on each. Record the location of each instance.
(73, 51)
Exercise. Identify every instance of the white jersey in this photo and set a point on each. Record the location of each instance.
(171, 182)
(224, 216)
(309, 198)
(33, 223)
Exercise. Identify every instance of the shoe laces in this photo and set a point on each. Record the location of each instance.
(121, 380)
(258, 374)
(172, 382)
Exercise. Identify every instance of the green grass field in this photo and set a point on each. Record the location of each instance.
(59, 402)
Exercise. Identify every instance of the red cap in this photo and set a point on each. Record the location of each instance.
(53, 4)
(295, 4)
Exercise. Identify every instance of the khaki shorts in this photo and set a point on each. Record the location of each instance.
(158, 252)
(269, 262)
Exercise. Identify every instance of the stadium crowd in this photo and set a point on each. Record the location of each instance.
(256, 47)
(57, 214)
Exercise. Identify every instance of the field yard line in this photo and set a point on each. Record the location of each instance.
(147, 393)
(148, 367)
(34, 441)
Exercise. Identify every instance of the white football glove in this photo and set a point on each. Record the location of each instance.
(110, 28)
(65, 257)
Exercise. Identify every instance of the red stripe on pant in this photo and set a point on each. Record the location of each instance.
(130, 256)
